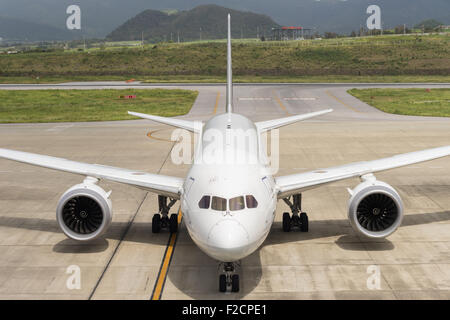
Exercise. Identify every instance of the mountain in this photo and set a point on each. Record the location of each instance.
(429, 24)
(205, 22)
(100, 17)
(15, 29)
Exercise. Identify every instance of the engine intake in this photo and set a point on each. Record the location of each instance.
(375, 209)
(84, 211)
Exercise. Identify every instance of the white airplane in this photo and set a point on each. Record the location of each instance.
(229, 207)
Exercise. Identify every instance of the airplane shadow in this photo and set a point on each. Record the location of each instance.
(201, 281)
(204, 284)
(71, 246)
(139, 233)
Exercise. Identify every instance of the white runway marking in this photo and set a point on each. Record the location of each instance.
(254, 99)
(300, 99)
(60, 128)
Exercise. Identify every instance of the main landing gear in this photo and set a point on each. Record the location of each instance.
(161, 219)
(299, 219)
(228, 279)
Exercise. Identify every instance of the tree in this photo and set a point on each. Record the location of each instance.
(428, 25)
(400, 29)
(330, 35)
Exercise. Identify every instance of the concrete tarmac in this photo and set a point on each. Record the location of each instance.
(328, 262)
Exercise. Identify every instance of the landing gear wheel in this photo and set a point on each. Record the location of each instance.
(286, 222)
(156, 223)
(222, 283)
(235, 283)
(161, 220)
(173, 223)
(303, 222)
(297, 220)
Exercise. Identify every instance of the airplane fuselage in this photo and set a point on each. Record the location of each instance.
(229, 198)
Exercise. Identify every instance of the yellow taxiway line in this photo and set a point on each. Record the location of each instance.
(168, 254)
(342, 102)
(162, 275)
(150, 135)
(282, 106)
(217, 102)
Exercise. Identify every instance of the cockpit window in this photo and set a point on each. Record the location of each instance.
(204, 202)
(219, 204)
(251, 201)
(237, 203)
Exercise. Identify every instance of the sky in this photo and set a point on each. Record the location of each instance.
(99, 17)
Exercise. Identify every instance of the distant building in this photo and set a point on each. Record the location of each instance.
(290, 33)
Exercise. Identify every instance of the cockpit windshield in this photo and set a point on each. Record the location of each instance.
(204, 202)
(237, 203)
(251, 202)
(234, 204)
(219, 204)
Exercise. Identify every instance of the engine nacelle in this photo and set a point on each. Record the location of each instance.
(84, 212)
(375, 209)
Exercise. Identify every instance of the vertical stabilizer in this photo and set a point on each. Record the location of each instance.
(229, 71)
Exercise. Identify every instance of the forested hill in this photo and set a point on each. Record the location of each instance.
(205, 22)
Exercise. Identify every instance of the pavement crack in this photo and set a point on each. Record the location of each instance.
(117, 247)
(130, 223)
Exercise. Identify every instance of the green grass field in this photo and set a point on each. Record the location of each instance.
(236, 79)
(413, 102)
(21, 106)
(347, 57)
(298, 79)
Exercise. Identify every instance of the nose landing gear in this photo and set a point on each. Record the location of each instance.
(229, 279)
(299, 219)
(161, 219)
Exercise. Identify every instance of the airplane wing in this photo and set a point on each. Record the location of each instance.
(277, 123)
(156, 183)
(193, 126)
(296, 183)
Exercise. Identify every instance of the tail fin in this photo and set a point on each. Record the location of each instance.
(229, 71)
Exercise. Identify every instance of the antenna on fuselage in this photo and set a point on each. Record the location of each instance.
(229, 71)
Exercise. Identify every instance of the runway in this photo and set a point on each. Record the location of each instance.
(328, 262)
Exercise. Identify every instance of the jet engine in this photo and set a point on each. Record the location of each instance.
(375, 209)
(84, 211)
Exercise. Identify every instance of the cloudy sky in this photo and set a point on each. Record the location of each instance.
(99, 17)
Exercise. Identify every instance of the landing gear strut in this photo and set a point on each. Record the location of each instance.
(299, 219)
(161, 219)
(228, 279)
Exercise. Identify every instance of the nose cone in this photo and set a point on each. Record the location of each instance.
(228, 240)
